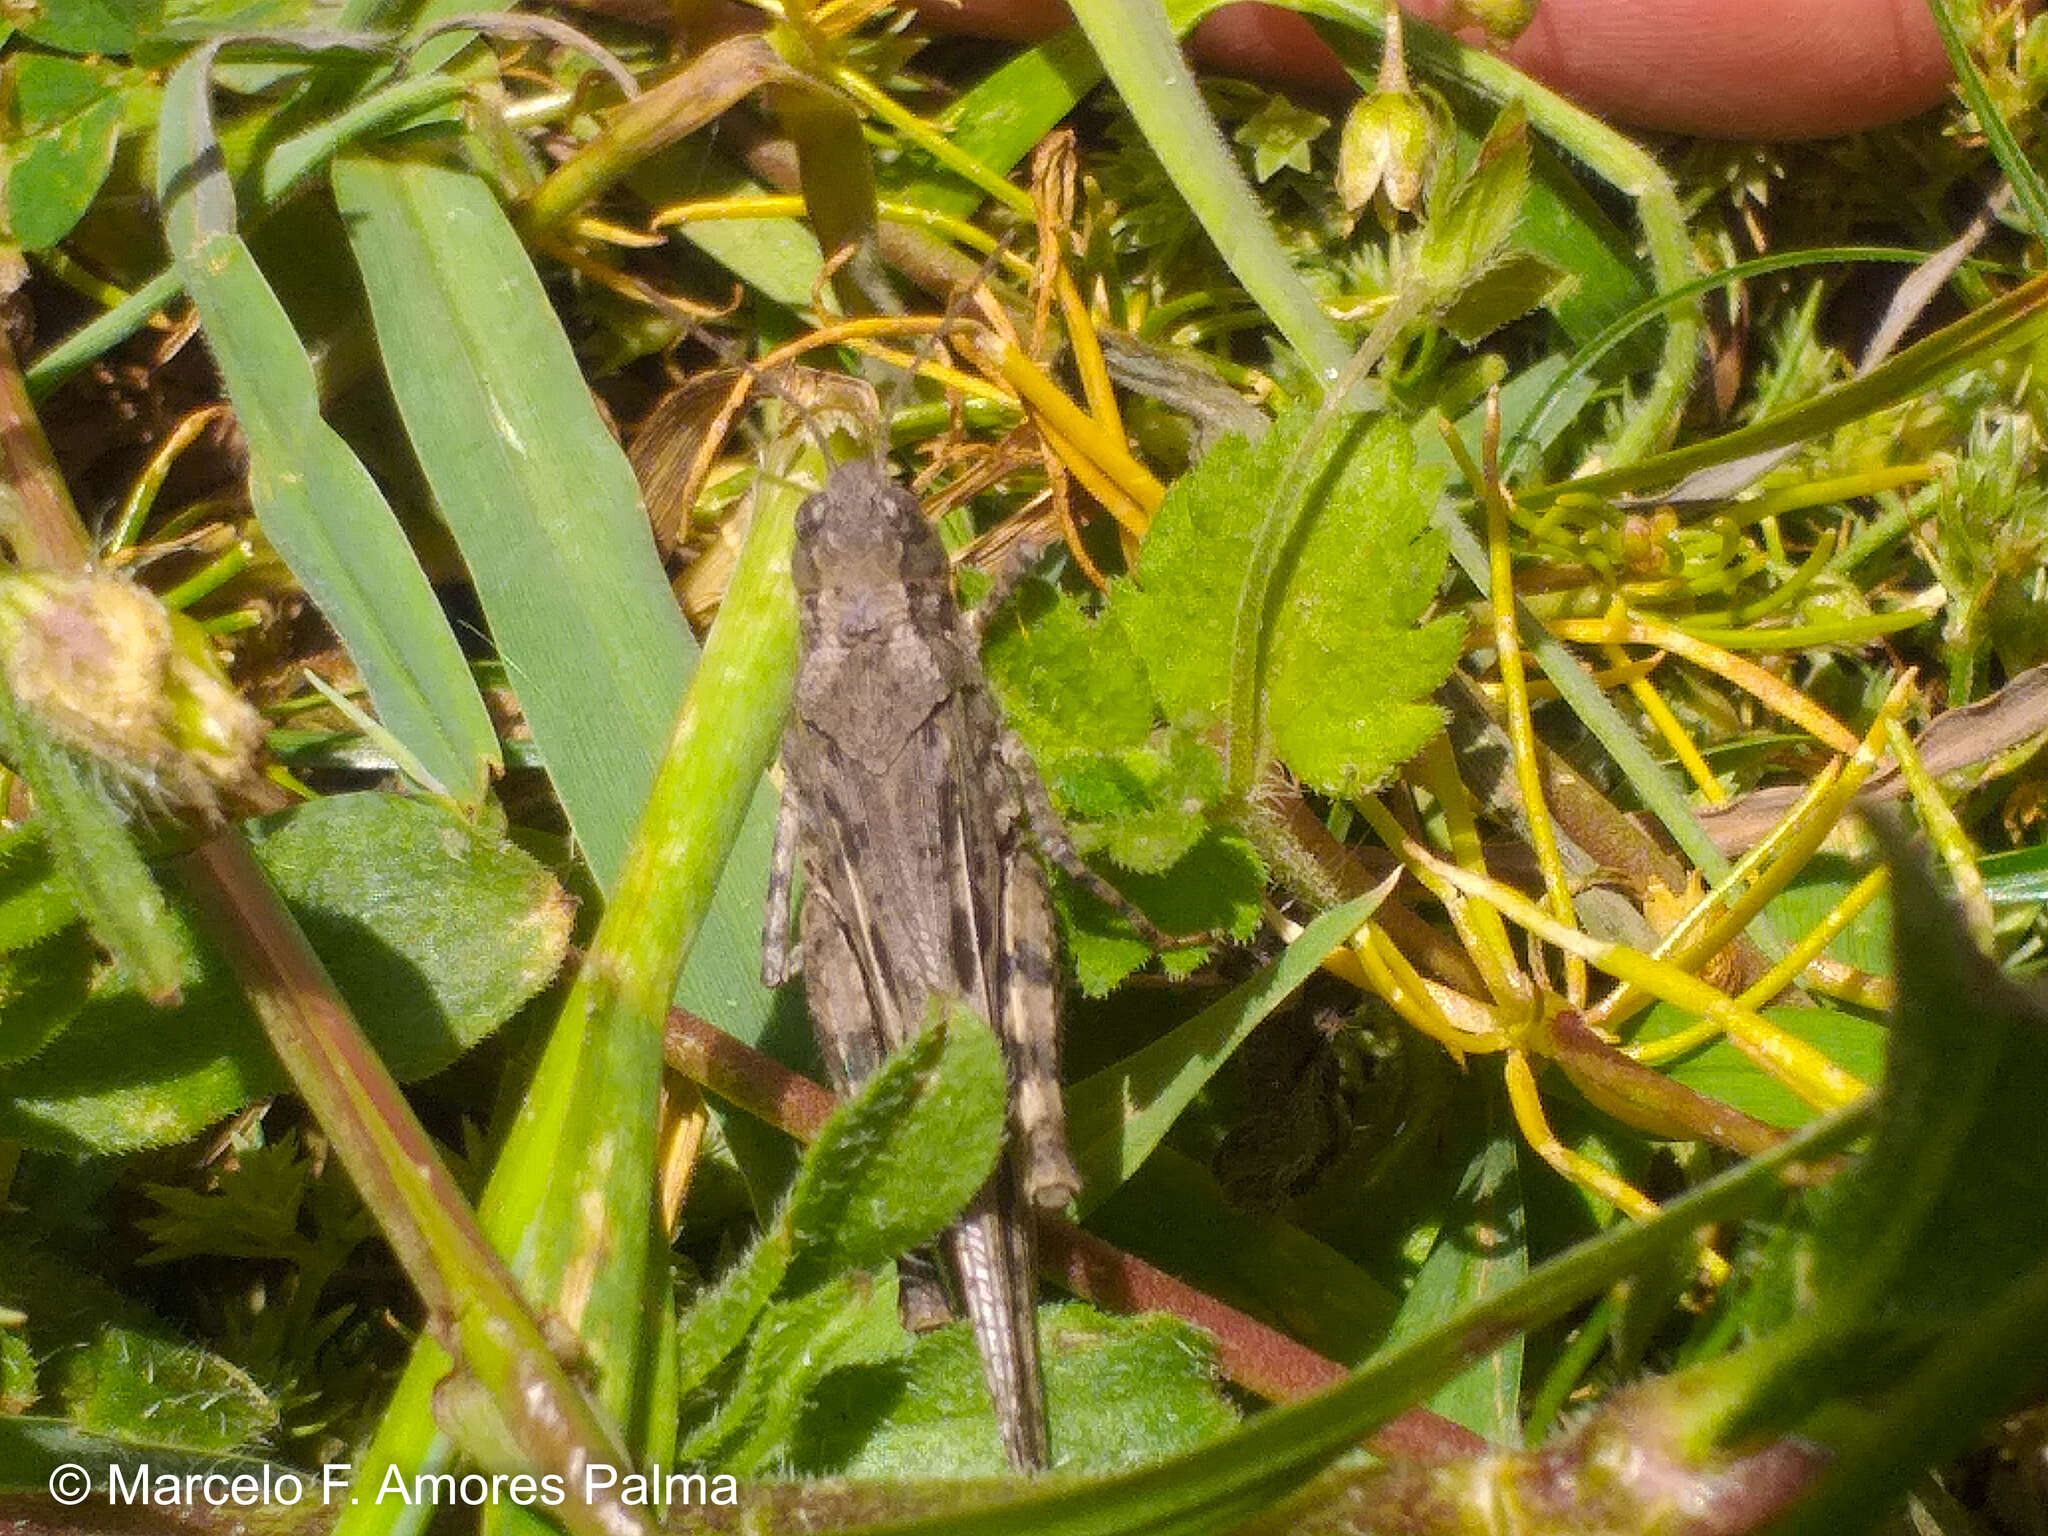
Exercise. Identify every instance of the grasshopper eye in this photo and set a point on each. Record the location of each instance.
(803, 565)
(924, 557)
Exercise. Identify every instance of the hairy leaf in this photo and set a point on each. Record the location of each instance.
(847, 1321)
(393, 894)
(1120, 1391)
(896, 1164)
(110, 1367)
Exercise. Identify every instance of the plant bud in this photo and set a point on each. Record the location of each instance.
(1386, 154)
(1502, 20)
(106, 671)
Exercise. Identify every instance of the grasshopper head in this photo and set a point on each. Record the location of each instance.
(865, 534)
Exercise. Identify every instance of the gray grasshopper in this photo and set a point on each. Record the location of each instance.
(913, 809)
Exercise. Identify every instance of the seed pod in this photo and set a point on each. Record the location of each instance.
(109, 673)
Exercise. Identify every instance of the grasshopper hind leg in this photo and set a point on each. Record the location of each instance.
(992, 1255)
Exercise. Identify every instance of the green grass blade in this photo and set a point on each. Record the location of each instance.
(2028, 190)
(545, 508)
(1135, 41)
(316, 502)
(2017, 319)
(539, 497)
(577, 1163)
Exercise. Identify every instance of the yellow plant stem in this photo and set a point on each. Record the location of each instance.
(1055, 169)
(1542, 691)
(1833, 978)
(844, 332)
(1097, 388)
(605, 232)
(1947, 834)
(789, 205)
(1827, 492)
(1779, 976)
(1131, 518)
(1496, 954)
(1675, 735)
(1684, 946)
(684, 1118)
(1372, 962)
(1387, 971)
(971, 385)
(931, 140)
(1711, 926)
(1070, 422)
(633, 290)
(1493, 957)
(1514, 677)
(865, 334)
(141, 497)
(1787, 638)
(1791, 1060)
(1527, 1104)
(1622, 627)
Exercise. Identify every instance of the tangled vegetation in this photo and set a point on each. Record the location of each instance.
(1459, 571)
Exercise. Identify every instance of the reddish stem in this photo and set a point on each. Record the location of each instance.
(1260, 1359)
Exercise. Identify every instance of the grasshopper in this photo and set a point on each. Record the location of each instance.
(918, 818)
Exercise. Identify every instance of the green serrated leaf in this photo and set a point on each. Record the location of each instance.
(896, 1164)
(1215, 887)
(1501, 295)
(1102, 949)
(1187, 577)
(1144, 808)
(1066, 680)
(393, 894)
(1120, 1391)
(1350, 665)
